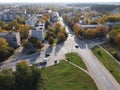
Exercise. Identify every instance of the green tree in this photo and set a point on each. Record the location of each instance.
(24, 77)
(7, 80)
(38, 83)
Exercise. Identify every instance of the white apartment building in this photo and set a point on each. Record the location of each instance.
(39, 31)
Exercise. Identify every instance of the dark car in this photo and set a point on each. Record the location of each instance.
(47, 54)
(76, 46)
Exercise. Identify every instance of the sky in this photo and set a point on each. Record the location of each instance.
(51, 1)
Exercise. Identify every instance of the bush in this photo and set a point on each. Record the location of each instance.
(99, 53)
(116, 55)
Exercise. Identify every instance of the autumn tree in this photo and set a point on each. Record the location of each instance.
(117, 39)
(51, 40)
(39, 44)
(57, 27)
(61, 37)
(90, 33)
(5, 49)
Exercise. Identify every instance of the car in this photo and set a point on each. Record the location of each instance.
(45, 60)
(76, 46)
(55, 61)
(47, 54)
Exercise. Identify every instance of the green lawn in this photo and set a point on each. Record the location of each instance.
(76, 59)
(108, 62)
(64, 76)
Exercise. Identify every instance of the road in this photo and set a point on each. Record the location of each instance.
(102, 77)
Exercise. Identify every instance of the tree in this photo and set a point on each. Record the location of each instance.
(24, 76)
(20, 20)
(112, 34)
(5, 49)
(2, 24)
(37, 79)
(57, 27)
(51, 40)
(39, 44)
(61, 37)
(7, 80)
(117, 39)
(90, 33)
(33, 40)
(13, 26)
(24, 31)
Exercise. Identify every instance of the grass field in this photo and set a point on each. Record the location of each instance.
(108, 62)
(76, 59)
(64, 76)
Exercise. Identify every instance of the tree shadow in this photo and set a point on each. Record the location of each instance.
(58, 47)
(31, 60)
(81, 43)
(49, 50)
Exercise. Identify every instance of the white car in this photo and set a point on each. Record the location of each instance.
(45, 59)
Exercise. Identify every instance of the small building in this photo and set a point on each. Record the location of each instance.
(13, 38)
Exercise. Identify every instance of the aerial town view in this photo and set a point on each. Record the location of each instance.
(59, 45)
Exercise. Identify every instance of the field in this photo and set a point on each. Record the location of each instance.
(64, 76)
(76, 59)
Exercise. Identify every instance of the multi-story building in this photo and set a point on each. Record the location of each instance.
(39, 31)
(33, 20)
(54, 16)
(13, 38)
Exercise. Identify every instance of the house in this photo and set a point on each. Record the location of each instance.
(13, 38)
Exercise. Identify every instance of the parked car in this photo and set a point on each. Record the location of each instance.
(47, 54)
(45, 60)
(76, 46)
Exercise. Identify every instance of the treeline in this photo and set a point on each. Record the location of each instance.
(114, 35)
(24, 78)
(104, 8)
(110, 18)
(98, 32)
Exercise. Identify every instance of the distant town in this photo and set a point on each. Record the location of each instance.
(59, 46)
